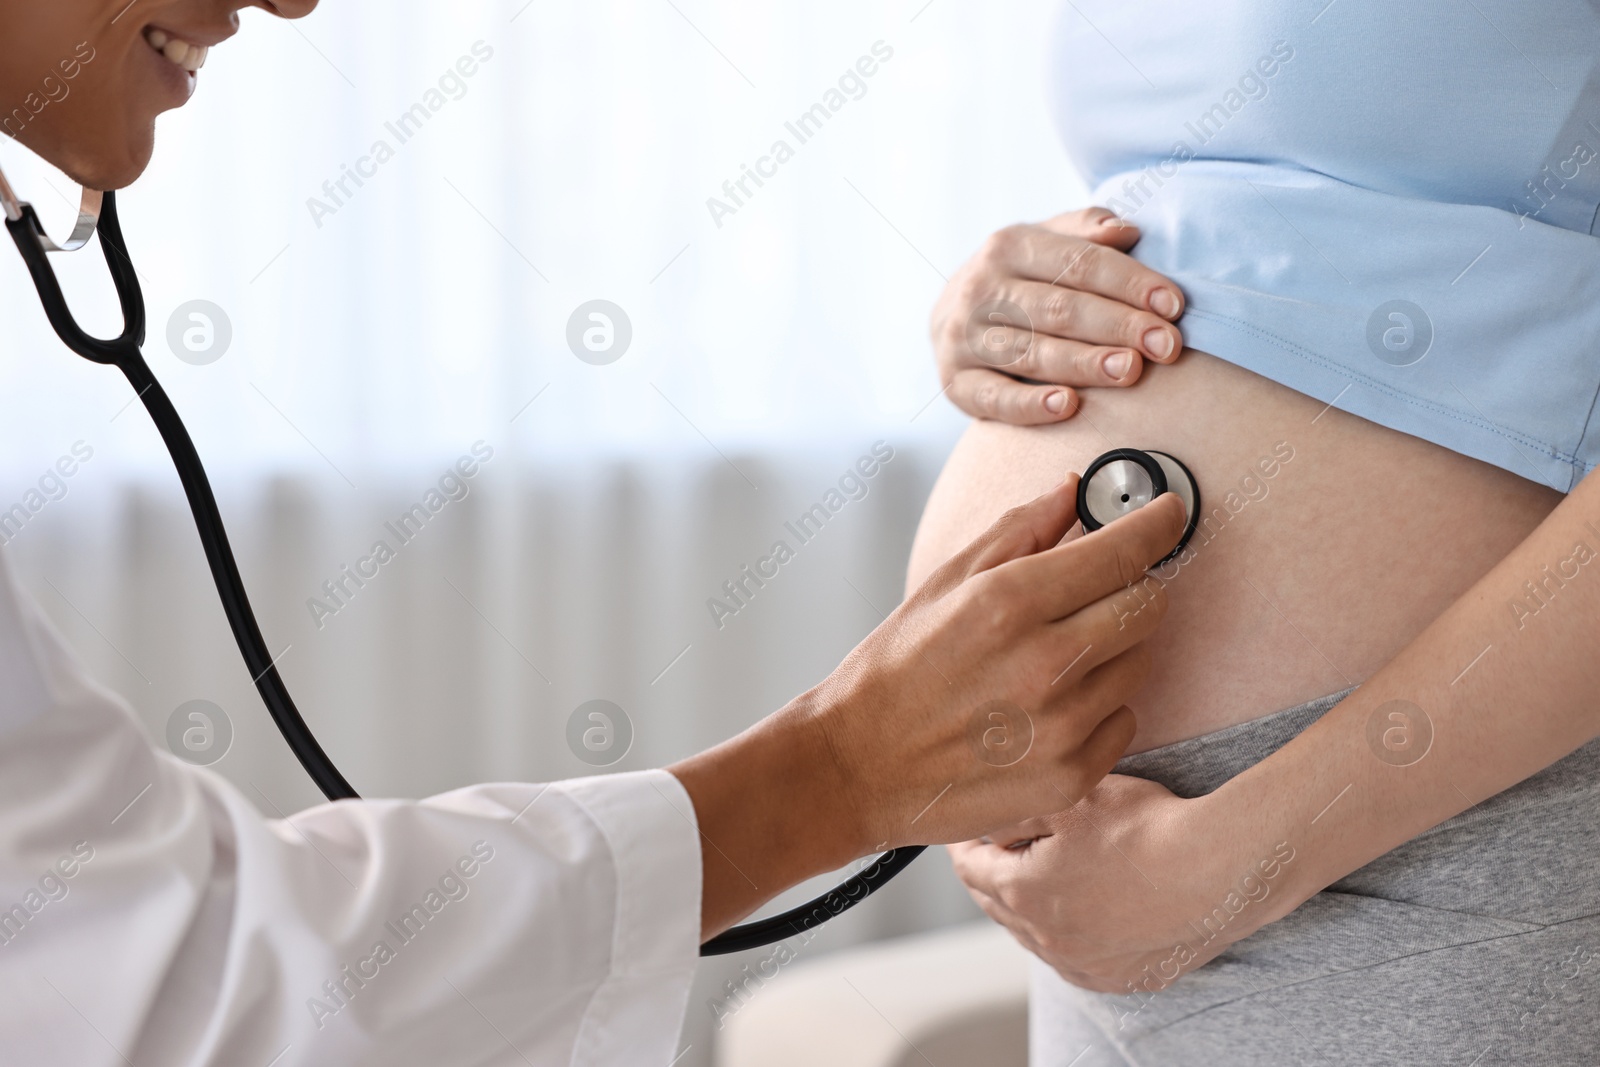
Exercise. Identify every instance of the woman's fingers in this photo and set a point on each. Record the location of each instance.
(1056, 304)
(1043, 255)
(979, 867)
(1096, 224)
(1017, 834)
(988, 394)
(1025, 353)
(1038, 307)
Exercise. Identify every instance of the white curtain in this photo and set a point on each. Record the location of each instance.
(374, 343)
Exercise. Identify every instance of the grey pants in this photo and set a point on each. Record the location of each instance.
(1476, 944)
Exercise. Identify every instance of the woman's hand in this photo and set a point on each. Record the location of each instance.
(1131, 889)
(1059, 304)
(994, 694)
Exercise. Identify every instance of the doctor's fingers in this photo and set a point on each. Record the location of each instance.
(1073, 654)
(1086, 727)
(1084, 745)
(1097, 568)
(1025, 530)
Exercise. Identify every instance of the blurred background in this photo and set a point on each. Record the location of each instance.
(337, 351)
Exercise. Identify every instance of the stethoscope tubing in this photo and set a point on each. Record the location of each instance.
(124, 353)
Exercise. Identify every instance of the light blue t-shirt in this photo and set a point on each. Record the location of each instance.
(1390, 206)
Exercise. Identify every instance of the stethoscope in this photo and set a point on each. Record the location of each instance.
(1124, 480)
(1115, 484)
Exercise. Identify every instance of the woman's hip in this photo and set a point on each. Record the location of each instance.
(1475, 942)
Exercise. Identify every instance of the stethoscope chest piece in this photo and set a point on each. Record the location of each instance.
(1124, 480)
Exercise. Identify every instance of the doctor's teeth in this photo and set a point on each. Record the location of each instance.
(190, 57)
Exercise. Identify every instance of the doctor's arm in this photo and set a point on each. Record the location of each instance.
(1503, 691)
(887, 751)
(559, 920)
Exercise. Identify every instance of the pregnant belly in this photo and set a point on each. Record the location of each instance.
(1327, 542)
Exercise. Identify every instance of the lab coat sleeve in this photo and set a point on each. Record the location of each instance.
(150, 915)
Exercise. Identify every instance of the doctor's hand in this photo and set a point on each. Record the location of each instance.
(995, 693)
(1131, 889)
(1043, 308)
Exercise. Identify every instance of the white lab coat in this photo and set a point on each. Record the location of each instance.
(150, 916)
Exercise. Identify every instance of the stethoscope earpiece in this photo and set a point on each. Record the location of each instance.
(90, 205)
(1123, 480)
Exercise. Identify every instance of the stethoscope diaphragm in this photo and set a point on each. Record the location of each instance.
(1124, 480)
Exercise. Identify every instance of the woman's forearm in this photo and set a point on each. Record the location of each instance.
(1500, 686)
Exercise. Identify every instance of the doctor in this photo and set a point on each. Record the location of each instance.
(150, 916)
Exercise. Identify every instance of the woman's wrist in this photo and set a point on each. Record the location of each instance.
(1429, 734)
(1249, 838)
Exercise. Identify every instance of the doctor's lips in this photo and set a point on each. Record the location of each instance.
(186, 54)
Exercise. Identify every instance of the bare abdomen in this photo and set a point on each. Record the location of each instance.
(1329, 541)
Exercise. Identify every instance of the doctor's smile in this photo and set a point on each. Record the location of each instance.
(1247, 659)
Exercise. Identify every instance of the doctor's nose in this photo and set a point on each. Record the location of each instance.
(288, 9)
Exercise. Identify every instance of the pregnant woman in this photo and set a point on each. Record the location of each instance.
(1379, 221)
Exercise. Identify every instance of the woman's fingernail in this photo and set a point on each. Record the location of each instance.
(1056, 402)
(1112, 220)
(1164, 302)
(1118, 364)
(1158, 343)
